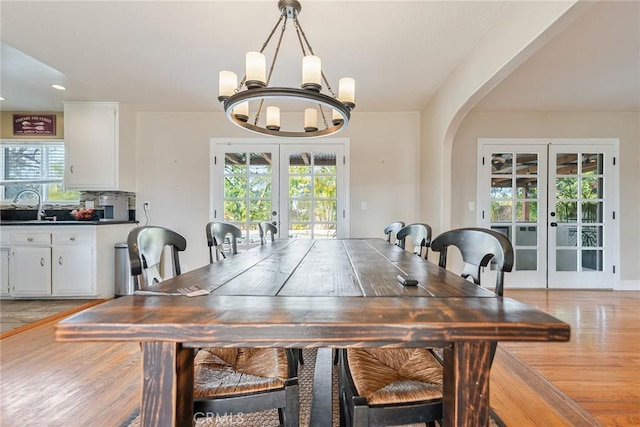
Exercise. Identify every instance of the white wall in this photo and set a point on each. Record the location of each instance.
(520, 30)
(173, 171)
(625, 126)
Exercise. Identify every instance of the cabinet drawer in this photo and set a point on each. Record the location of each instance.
(31, 239)
(71, 237)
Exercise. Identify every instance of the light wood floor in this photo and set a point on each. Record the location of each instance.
(98, 384)
(600, 367)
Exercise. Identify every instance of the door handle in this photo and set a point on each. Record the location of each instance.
(554, 224)
(42, 261)
(71, 168)
(60, 260)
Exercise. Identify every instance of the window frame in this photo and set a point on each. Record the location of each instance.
(42, 183)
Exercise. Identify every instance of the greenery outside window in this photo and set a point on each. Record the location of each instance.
(36, 165)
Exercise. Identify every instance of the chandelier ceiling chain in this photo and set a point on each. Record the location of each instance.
(299, 30)
(255, 86)
(275, 57)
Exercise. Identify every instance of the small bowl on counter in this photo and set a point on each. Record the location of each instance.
(83, 214)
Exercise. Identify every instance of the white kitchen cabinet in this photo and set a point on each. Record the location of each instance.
(4, 271)
(30, 271)
(63, 261)
(5, 249)
(72, 263)
(99, 147)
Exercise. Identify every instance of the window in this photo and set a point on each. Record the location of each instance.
(35, 165)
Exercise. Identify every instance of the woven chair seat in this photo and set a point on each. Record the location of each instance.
(395, 375)
(236, 371)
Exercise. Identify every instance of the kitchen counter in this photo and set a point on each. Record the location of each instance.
(66, 222)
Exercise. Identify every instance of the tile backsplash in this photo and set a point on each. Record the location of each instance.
(94, 196)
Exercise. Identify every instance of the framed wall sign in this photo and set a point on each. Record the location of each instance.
(34, 124)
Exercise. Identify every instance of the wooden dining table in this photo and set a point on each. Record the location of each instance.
(315, 294)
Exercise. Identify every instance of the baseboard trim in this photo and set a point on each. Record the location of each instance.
(628, 285)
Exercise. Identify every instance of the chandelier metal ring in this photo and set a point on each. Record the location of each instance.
(290, 93)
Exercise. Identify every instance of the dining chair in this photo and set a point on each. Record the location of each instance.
(217, 234)
(478, 247)
(393, 228)
(389, 386)
(242, 380)
(145, 246)
(402, 386)
(420, 235)
(226, 380)
(265, 228)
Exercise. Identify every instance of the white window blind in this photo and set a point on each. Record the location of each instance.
(39, 166)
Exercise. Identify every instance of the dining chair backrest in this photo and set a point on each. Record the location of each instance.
(478, 247)
(217, 234)
(146, 246)
(265, 228)
(420, 237)
(394, 227)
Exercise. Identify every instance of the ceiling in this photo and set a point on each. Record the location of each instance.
(166, 55)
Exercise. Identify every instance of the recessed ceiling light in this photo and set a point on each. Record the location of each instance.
(58, 87)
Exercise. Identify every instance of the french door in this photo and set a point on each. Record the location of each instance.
(245, 184)
(556, 201)
(301, 188)
(314, 204)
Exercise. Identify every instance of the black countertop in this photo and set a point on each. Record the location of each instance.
(66, 222)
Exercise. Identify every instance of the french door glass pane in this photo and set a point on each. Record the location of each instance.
(299, 210)
(592, 163)
(566, 163)
(592, 260)
(260, 186)
(580, 201)
(566, 260)
(312, 195)
(501, 163)
(514, 204)
(235, 163)
(526, 164)
(527, 259)
(526, 211)
(234, 210)
(248, 191)
(235, 186)
(260, 163)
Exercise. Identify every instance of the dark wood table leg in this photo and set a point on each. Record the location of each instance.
(466, 384)
(322, 395)
(167, 385)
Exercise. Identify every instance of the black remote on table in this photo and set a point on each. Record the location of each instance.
(405, 281)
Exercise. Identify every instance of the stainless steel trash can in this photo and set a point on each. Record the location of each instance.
(125, 284)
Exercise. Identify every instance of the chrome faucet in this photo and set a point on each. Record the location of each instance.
(41, 213)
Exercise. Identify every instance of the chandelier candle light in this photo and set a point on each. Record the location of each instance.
(254, 87)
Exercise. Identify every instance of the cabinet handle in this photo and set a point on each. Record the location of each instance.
(42, 261)
(73, 239)
(29, 239)
(60, 260)
(71, 168)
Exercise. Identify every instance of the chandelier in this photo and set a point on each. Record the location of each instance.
(331, 111)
